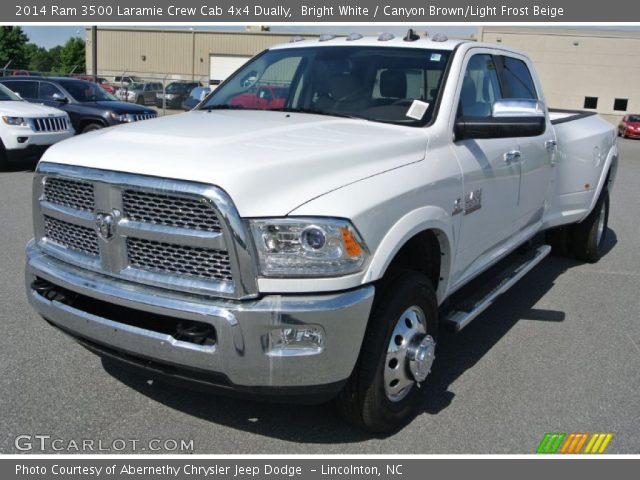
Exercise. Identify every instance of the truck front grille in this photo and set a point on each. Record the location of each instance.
(69, 193)
(50, 124)
(169, 210)
(79, 239)
(179, 259)
(157, 232)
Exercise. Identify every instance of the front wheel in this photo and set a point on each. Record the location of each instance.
(396, 357)
(91, 127)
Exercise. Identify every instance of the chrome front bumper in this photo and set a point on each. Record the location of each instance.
(240, 353)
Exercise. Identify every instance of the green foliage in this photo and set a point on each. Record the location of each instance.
(12, 42)
(72, 56)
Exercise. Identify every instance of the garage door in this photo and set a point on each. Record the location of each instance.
(221, 66)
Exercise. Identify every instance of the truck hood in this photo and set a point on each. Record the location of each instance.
(26, 109)
(268, 162)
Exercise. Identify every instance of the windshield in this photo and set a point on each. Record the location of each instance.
(135, 86)
(7, 95)
(176, 87)
(634, 118)
(393, 85)
(83, 91)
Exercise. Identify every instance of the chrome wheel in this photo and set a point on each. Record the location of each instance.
(601, 226)
(410, 354)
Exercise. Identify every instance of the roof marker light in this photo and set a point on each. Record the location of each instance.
(439, 37)
(385, 37)
(326, 37)
(411, 36)
(296, 38)
(353, 36)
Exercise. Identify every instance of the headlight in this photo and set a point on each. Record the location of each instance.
(308, 247)
(15, 121)
(124, 118)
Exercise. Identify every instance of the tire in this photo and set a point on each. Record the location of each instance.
(4, 161)
(91, 127)
(366, 401)
(587, 237)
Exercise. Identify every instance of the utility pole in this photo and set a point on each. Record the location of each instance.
(94, 53)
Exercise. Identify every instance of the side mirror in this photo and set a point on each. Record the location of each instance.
(58, 97)
(509, 118)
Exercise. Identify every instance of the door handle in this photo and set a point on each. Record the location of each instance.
(551, 144)
(512, 156)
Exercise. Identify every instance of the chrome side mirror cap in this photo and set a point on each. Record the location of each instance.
(518, 107)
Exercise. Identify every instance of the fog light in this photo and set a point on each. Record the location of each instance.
(22, 139)
(296, 340)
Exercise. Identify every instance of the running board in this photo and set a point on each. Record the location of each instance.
(459, 318)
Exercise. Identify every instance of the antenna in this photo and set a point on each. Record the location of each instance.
(411, 36)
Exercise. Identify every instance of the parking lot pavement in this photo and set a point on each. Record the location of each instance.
(559, 353)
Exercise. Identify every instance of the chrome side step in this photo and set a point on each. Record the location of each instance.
(459, 318)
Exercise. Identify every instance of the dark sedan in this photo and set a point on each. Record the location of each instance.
(629, 126)
(88, 105)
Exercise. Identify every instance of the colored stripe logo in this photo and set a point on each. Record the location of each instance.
(557, 442)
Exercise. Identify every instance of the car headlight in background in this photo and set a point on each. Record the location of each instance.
(308, 247)
(121, 117)
(15, 121)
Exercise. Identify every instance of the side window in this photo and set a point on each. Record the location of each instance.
(517, 79)
(26, 88)
(47, 90)
(480, 87)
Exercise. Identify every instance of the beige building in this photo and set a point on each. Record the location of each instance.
(580, 69)
(174, 54)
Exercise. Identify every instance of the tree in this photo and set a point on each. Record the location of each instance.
(72, 56)
(38, 58)
(12, 42)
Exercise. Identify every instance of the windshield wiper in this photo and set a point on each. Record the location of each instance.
(223, 107)
(320, 112)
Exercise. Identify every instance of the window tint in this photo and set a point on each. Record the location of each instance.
(480, 87)
(47, 90)
(517, 79)
(26, 88)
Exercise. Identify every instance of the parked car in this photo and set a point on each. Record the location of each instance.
(174, 94)
(124, 80)
(263, 97)
(140, 93)
(27, 130)
(195, 97)
(88, 105)
(314, 251)
(629, 126)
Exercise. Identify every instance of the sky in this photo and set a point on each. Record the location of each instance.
(50, 36)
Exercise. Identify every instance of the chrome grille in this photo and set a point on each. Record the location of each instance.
(80, 239)
(169, 210)
(50, 124)
(180, 235)
(144, 116)
(69, 193)
(179, 259)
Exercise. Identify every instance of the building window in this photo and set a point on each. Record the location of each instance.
(591, 102)
(620, 104)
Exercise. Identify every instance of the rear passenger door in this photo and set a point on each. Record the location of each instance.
(537, 154)
(27, 89)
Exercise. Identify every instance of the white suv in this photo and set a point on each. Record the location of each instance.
(27, 129)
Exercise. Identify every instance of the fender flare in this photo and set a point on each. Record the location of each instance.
(610, 164)
(414, 222)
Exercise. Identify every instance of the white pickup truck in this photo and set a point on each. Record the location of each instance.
(308, 243)
(27, 130)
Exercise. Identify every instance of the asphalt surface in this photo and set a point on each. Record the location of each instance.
(559, 353)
